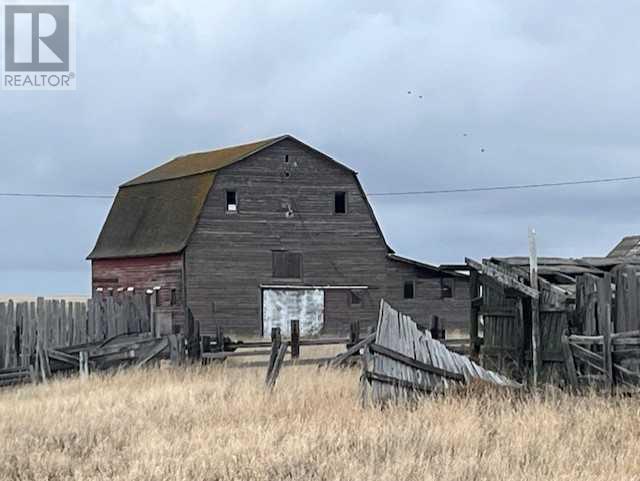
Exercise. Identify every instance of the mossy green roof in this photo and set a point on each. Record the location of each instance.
(153, 219)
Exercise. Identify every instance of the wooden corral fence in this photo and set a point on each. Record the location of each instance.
(404, 360)
(41, 338)
(606, 351)
(504, 302)
(588, 328)
(57, 323)
(221, 347)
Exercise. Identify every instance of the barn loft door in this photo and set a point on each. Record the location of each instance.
(280, 306)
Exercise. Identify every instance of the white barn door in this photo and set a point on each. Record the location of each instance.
(281, 306)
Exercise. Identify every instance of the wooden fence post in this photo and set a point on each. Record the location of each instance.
(83, 359)
(474, 311)
(219, 339)
(177, 352)
(354, 334)
(572, 375)
(604, 325)
(295, 339)
(276, 342)
(272, 375)
(536, 342)
(436, 331)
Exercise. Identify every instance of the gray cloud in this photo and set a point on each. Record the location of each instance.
(548, 90)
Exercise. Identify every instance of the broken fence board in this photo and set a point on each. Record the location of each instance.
(409, 359)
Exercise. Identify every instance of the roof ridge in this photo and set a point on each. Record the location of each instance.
(235, 153)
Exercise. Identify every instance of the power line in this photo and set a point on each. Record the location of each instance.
(373, 194)
(507, 187)
(56, 196)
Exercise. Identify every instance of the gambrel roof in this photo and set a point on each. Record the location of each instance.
(155, 213)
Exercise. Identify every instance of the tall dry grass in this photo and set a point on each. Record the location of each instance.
(218, 423)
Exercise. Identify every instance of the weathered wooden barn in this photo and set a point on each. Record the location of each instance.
(253, 236)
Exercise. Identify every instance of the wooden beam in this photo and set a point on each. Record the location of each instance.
(373, 376)
(586, 353)
(604, 325)
(588, 340)
(569, 363)
(295, 339)
(83, 364)
(620, 335)
(503, 277)
(354, 333)
(272, 375)
(408, 361)
(536, 342)
(154, 352)
(353, 350)
(226, 354)
(474, 321)
(63, 357)
(276, 342)
(317, 361)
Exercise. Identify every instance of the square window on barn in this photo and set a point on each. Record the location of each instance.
(409, 289)
(174, 297)
(447, 287)
(232, 201)
(287, 265)
(340, 203)
(355, 299)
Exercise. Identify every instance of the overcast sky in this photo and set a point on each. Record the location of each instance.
(549, 90)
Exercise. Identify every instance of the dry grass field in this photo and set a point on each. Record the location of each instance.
(217, 423)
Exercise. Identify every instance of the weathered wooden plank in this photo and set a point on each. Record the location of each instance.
(3, 333)
(295, 339)
(62, 357)
(474, 320)
(272, 375)
(398, 383)
(377, 349)
(405, 354)
(503, 277)
(536, 341)
(588, 340)
(570, 367)
(154, 352)
(353, 350)
(604, 325)
(10, 349)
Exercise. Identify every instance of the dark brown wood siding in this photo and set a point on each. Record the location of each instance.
(428, 301)
(290, 206)
(282, 206)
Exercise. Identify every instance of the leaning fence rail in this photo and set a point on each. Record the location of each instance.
(405, 360)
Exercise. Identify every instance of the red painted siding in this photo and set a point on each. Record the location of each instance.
(143, 273)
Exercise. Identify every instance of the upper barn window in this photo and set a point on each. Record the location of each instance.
(409, 289)
(340, 203)
(447, 287)
(232, 201)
